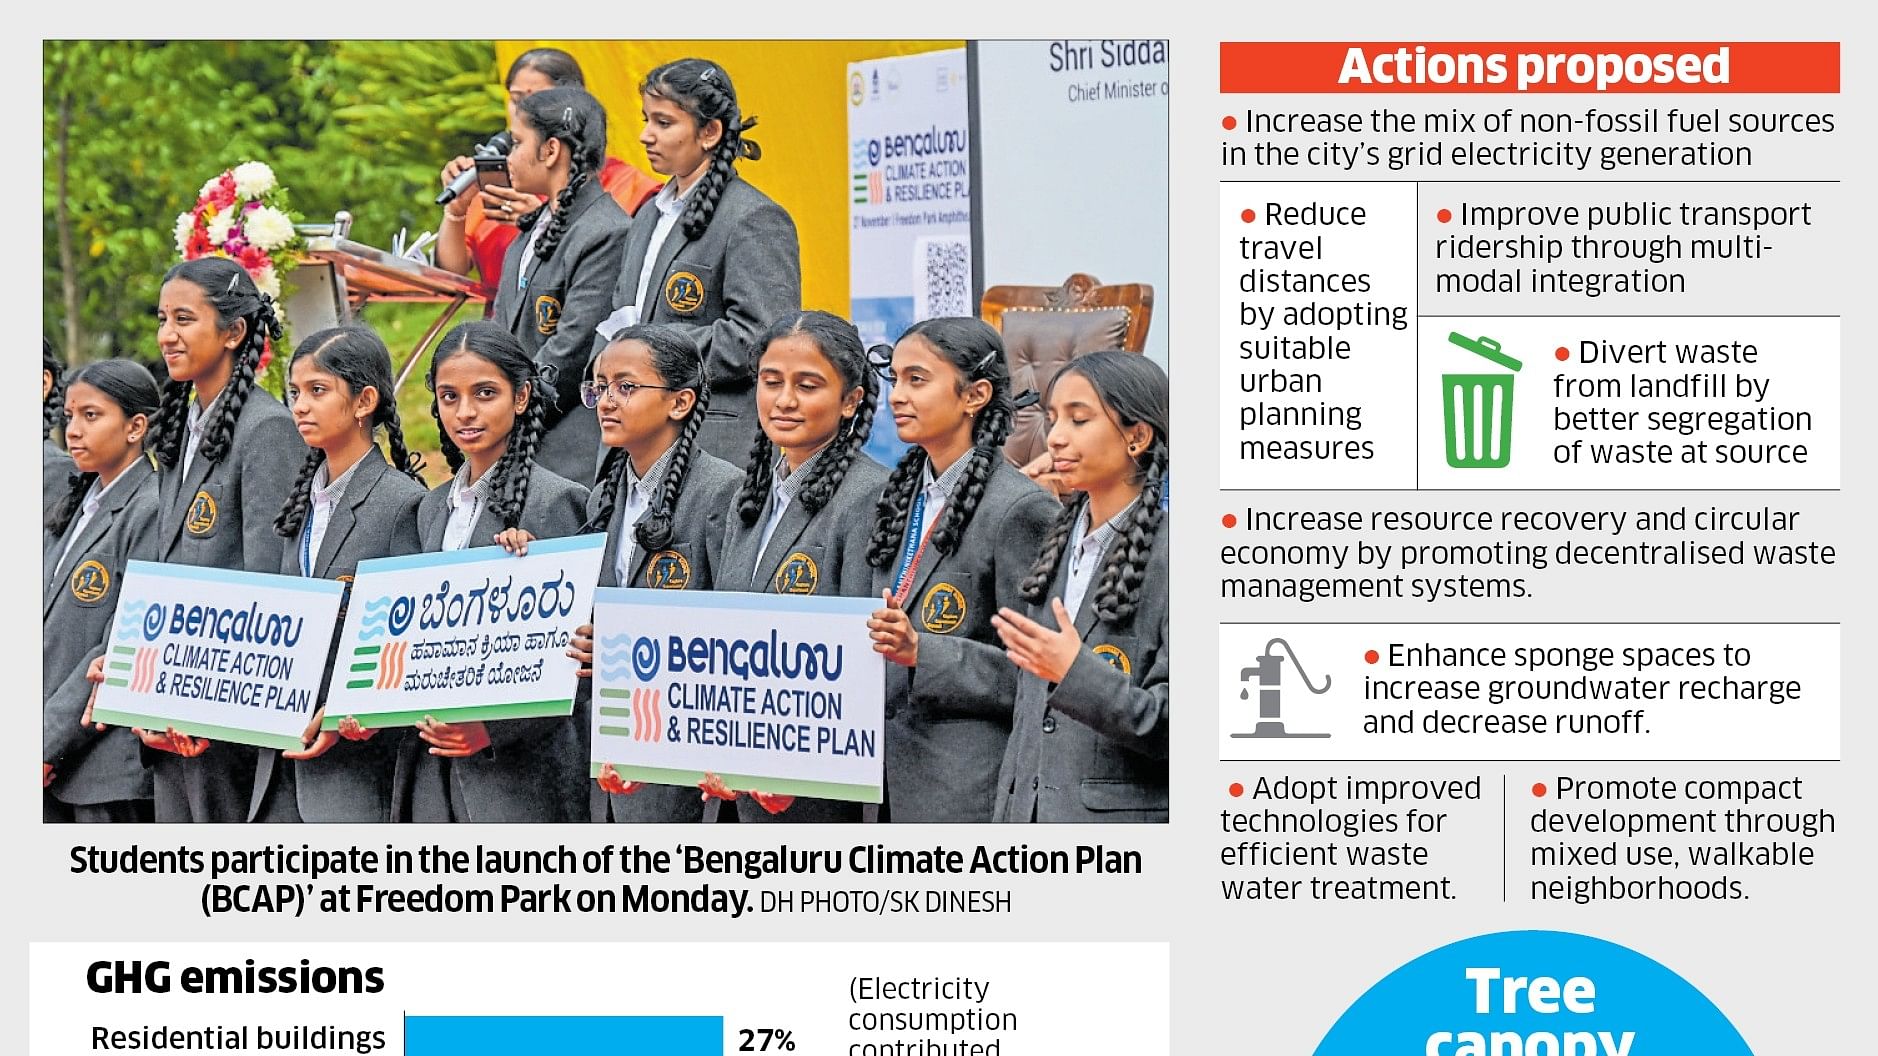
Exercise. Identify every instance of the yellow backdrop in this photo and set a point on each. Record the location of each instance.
(797, 90)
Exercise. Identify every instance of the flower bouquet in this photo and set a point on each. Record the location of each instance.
(242, 215)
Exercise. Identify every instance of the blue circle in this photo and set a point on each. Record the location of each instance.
(645, 659)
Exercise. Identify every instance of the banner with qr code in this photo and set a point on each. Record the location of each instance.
(910, 211)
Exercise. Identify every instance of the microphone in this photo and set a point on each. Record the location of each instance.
(497, 146)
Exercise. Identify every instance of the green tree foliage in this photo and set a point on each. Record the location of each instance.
(132, 129)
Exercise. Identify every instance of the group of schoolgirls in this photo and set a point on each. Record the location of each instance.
(1026, 637)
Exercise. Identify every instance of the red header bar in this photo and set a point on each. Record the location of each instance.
(1597, 68)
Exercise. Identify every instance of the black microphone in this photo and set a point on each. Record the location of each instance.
(497, 147)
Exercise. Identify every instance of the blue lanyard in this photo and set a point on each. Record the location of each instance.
(911, 548)
(306, 543)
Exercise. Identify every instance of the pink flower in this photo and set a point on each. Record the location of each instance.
(223, 195)
(253, 258)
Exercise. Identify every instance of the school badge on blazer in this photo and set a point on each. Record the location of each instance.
(798, 575)
(90, 581)
(202, 512)
(943, 609)
(668, 570)
(547, 315)
(1114, 657)
(684, 292)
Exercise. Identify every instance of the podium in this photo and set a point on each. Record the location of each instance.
(336, 276)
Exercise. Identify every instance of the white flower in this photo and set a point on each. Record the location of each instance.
(253, 179)
(185, 225)
(268, 228)
(268, 281)
(219, 225)
(209, 187)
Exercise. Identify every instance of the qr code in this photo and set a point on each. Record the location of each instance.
(942, 278)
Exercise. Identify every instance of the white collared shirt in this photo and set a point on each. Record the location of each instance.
(198, 421)
(670, 202)
(635, 498)
(466, 507)
(320, 513)
(782, 492)
(1085, 555)
(523, 262)
(93, 499)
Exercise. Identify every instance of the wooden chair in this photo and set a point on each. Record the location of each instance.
(1044, 327)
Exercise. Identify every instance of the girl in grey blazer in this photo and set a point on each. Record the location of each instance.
(953, 537)
(558, 276)
(807, 505)
(662, 504)
(347, 505)
(1089, 737)
(710, 254)
(228, 452)
(104, 514)
(489, 411)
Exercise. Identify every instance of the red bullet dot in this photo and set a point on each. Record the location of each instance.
(1229, 520)
(1539, 789)
(1444, 216)
(1248, 216)
(1235, 789)
(1371, 657)
(1229, 123)
(1563, 353)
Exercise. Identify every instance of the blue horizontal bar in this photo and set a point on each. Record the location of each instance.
(207, 574)
(611, 1035)
(439, 558)
(800, 604)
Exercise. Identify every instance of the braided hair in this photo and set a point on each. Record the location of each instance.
(840, 343)
(676, 360)
(358, 357)
(508, 481)
(130, 386)
(702, 89)
(976, 350)
(54, 405)
(579, 121)
(1133, 390)
(237, 301)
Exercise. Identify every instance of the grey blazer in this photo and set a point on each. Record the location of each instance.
(724, 289)
(824, 554)
(221, 515)
(554, 318)
(79, 592)
(1093, 747)
(533, 769)
(948, 718)
(55, 475)
(376, 517)
(689, 562)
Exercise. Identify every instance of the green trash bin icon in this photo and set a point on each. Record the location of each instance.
(1478, 409)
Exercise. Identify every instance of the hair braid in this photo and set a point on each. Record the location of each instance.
(293, 512)
(654, 530)
(403, 459)
(612, 475)
(1036, 585)
(1127, 567)
(993, 427)
(895, 506)
(832, 470)
(68, 507)
(171, 427)
(517, 462)
(53, 408)
(263, 325)
(452, 454)
(577, 177)
(758, 475)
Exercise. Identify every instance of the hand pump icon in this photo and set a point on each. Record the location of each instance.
(1269, 670)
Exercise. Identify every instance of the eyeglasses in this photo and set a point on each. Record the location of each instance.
(592, 392)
